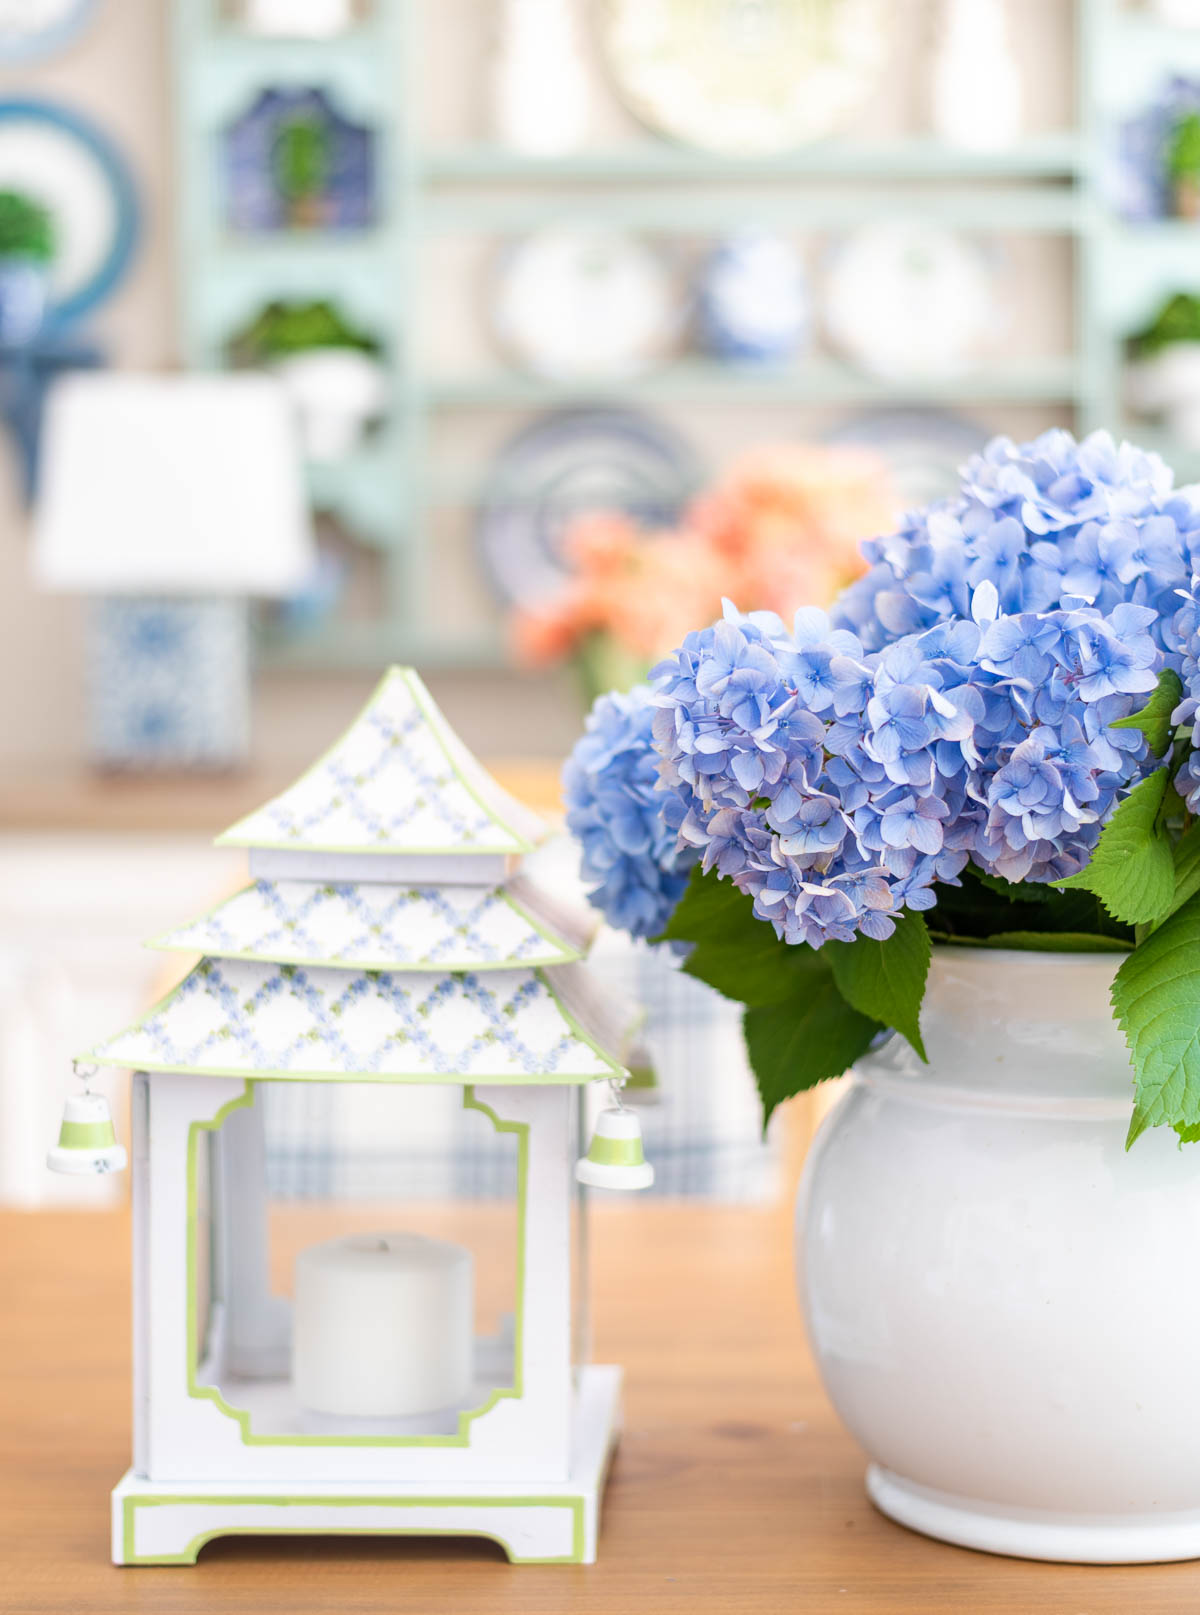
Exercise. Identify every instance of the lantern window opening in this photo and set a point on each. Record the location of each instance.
(289, 1166)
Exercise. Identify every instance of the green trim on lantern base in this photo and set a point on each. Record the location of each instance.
(481, 1508)
(191, 1552)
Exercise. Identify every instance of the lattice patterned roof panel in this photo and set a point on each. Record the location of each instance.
(377, 926)
(242, 1018)
(399, 781)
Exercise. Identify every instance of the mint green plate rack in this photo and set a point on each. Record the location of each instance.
(389, 492)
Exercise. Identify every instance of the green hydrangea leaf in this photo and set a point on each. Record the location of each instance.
(886, 980)
(736, 953)
(1132, 869)
(710, 910)
(1041, 941)
(1025, 891)
(977, 910)
(761, 970)
(1154, 720)
(1156, 999)
(1188, 1135)
(1187, 867)
(794, 1045)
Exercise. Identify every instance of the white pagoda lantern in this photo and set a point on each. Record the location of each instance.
(387, 939)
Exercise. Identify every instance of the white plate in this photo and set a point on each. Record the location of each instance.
(30, 28)
(745, 77)
(905, 300)
(585, 302)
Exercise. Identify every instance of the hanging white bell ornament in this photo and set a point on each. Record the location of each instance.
(615, 1159)
(87, 1140)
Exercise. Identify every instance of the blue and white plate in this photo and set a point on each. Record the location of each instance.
(62, 161)
(35, 28)
(566, 464)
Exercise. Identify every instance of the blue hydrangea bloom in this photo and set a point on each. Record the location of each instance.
(626, 827)
(1052, 523)
(1185, 638)
(956, 706)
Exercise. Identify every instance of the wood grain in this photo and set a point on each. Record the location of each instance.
(199, 804)
(734, 1489)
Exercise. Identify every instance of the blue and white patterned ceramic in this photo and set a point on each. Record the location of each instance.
(752, 301)
(234, 1015)
(375, 925)
(63, 161)
(254, 200)
(566, 463)
(23, 289)
(398, 781)
(168, 683)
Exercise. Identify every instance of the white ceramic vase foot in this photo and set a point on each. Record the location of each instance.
(1029, 1534)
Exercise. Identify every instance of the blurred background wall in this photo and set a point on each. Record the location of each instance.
(119, 70)
(706, 282)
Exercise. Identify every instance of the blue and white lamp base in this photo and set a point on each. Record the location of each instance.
(168, 683)
(539, 1522)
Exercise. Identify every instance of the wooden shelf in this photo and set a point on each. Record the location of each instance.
(353, 646)
(1035, 209)
(1051, 156)
(820, 381)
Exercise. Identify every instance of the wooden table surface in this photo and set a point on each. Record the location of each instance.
(734, 1489)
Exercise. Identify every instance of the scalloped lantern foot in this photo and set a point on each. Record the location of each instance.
(548, 1522)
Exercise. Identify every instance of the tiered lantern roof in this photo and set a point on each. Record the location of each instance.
(388, 933)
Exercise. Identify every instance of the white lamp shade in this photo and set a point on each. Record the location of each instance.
(171, 485)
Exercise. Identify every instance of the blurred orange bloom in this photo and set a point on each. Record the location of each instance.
(779, 531)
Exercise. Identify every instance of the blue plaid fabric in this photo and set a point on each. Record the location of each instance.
(702, 1130)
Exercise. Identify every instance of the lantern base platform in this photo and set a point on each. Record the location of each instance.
(546, 1522)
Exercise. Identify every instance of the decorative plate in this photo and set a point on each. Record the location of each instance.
(752, 301)
(905, 300)
(745, 78)
(61, 160)
(923, 448)
(578, 302)
(32, 28)
(565, 464)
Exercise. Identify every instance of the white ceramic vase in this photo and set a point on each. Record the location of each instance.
(337, 393)
(297, 19)
(1002, 1300)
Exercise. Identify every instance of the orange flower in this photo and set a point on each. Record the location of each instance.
(780, 530)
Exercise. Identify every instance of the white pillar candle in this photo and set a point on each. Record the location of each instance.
(383, 1326)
